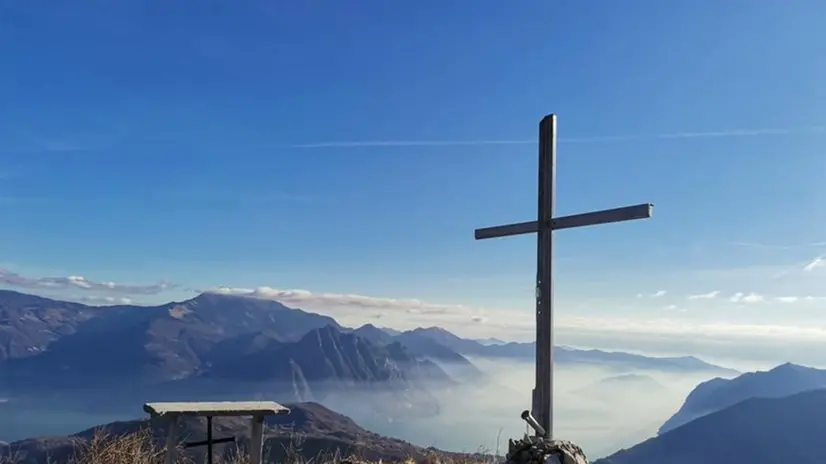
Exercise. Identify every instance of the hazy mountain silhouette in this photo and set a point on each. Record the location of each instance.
(566, 355)
(171, 341)
(328, 355)
(419, 345)
(490, 341)
(107, 346)
(28, 323)
(716, 394)
(374, 334)
(422, 345)
(757, 430)
(208, 346)
(389, 331)
(612, 388)
(446, 339)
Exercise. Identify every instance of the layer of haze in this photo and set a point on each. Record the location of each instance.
(600, 408)
(600, 417)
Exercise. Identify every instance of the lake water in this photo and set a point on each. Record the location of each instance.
(19, 423)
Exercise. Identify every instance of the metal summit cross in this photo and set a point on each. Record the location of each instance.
(542, 407)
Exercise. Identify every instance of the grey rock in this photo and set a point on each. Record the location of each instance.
(532, 450)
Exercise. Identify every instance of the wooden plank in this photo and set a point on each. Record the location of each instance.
(216, 409)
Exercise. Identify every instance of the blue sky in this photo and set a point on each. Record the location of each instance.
(291, 145)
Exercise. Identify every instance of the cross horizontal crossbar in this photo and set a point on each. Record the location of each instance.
(627, 213)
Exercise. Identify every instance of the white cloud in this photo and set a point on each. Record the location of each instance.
(752, 297)
(685, 327)
(297, 297)
(820, 261)
(673, 307)
(787, 299)
(106, 300)
(657, 294)
(14, 279)
(519, 324)
(78, 282)
(705, 296)
(399, 313)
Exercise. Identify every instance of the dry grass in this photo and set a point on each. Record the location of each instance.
(141, 448)
(135, 448)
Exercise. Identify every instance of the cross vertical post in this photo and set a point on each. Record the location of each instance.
(543, 390)
(541, 417)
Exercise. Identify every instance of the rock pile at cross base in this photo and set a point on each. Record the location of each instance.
(530, 450)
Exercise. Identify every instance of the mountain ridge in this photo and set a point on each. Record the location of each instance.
(192, 318)
(178, 340)
(716, 394)
(785, 429)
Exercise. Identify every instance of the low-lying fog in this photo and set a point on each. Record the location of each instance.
(600, 409)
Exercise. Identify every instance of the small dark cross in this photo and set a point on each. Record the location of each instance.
(544, 226)
(209, 441)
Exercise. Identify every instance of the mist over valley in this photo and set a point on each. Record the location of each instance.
(427, 386)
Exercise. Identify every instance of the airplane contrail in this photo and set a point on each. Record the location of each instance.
(615, 138)
(779, 247)
(410, 143)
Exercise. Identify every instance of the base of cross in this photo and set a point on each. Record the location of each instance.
(540, 450)
(537, 450)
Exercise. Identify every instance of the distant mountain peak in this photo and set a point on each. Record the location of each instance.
(791, 367)
(368, 326)
(432, 329)
(218, 294)
(210, 297)
(440, 335)
(374, 334)
(216, 298)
